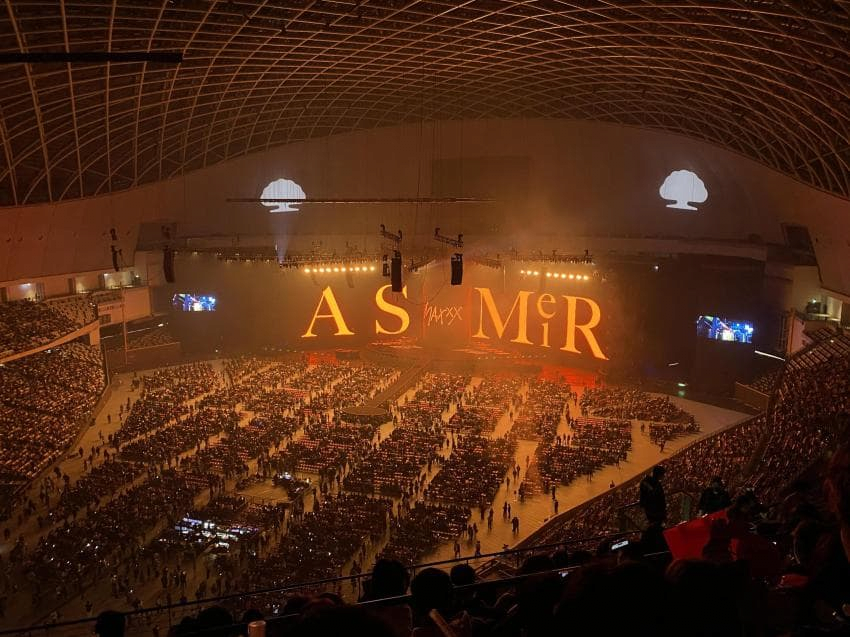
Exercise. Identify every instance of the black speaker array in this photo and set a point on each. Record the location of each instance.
(168, 264)
(395, 272)
(457, 269)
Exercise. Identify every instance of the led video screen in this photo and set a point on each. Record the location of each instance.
(193, 302)
(718, 328)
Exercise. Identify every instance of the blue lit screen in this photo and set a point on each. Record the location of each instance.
(719, 328)
(193, 302)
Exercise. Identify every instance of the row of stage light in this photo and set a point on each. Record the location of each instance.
(339, 268)
(557, 275)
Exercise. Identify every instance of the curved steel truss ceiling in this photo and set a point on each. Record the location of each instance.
(766, 78)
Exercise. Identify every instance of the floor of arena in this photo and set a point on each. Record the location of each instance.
(532, 511)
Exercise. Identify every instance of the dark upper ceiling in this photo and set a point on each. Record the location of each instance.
(765, 78)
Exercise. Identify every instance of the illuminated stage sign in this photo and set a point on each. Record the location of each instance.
(488, 322)
(433, 315)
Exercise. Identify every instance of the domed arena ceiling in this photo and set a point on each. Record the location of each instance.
(763, 78)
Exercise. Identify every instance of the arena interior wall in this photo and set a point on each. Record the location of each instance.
(572, 179)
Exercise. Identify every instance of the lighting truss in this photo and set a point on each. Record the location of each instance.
(418, 262)
(351, 200)
(341, 268)
(489, 262)
(558, 276)
(386, 234)
(455, 243)
(330, 262)
(554, 257)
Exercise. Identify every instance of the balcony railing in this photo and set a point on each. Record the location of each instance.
(271, 601)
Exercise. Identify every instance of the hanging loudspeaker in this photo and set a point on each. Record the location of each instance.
(115, 258)
(395, 272)
(168, 264)
(457, 269)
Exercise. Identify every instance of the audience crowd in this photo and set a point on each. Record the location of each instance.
(483, 405)
(75, 554)
(797, 584)
(618, 402)
(594, 443)
(813, 392)
(79, 308)
(473, 472)
(773, 571)
(25, 325)
(193, 429)
(167, 443)
(395, 466)
(86, 493)
(163, 398)
(422, 528)
(46, 398)
(140, 338)
(662, 432)
(340, 528)
(766, 383)
(543, 410)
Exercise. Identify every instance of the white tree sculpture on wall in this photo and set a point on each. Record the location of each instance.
(282, 189)
(683, 186)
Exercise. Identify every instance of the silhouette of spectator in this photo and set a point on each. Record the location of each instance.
(110, 623)
(431, 589)
(652, 498)
(837, 487)
(390, 579)
(333, 621)
(715, 497)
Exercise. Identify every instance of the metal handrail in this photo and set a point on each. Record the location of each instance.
(320, 582)
(383, 601)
